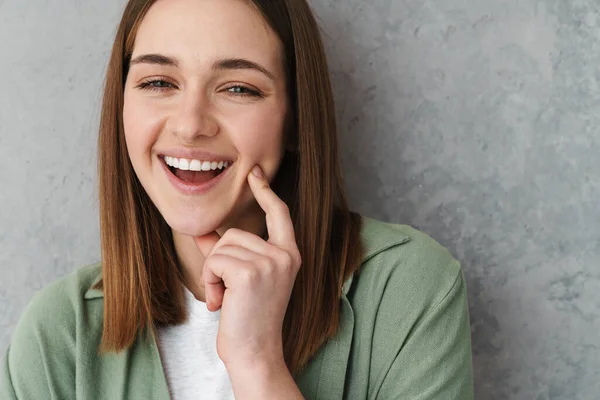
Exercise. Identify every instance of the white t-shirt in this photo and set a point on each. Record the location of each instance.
(189, 356)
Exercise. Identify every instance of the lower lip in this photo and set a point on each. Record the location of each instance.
(187, 188)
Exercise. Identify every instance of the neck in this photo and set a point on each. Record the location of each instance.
(191, 259)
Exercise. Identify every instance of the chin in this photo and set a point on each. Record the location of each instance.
(193, 218)
(196, 226)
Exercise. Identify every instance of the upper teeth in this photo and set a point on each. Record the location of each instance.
(195, 165)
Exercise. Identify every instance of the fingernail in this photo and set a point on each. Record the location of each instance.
(257, 172)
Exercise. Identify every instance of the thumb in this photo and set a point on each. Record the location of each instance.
(207, 242)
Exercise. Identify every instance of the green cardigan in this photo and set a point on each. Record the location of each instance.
(404, 335)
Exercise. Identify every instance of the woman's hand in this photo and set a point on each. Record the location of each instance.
(251, 281)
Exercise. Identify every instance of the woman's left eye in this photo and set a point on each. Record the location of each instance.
(239, 90)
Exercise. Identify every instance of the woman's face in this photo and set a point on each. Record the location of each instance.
(206, 83)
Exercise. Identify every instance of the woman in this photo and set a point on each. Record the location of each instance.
(231, 265)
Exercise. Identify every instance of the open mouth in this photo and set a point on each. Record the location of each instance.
(195, 172)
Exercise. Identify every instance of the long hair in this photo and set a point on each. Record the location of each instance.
(141, 278)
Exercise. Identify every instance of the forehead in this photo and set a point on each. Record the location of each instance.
(202, 30)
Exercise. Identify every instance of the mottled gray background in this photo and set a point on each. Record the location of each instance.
(475, 121)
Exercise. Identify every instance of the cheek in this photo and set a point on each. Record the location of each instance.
(258, 135)
(141, 124)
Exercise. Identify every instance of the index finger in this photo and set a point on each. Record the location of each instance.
(279, 220)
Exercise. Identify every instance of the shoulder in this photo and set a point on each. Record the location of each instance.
(403, 266)
(409, 303)
(60, 301)
(42, 354)
(45, 341)
(397, 248)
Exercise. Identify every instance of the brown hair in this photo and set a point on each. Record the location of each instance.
(141, 278)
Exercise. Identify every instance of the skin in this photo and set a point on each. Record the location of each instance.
(193, 106)
(187, 103)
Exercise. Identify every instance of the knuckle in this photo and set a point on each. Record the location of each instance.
(215, 259)
(286, 260)
(297, 259)
(281, 207)
(231, 234)
(222, 249)
(268, 264)
(250, 275)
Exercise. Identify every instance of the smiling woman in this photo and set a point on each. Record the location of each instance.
(230, 258)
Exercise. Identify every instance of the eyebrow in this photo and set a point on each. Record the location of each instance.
(219, 65)
(158, 59)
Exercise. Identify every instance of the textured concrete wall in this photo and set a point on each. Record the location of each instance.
(475, 121)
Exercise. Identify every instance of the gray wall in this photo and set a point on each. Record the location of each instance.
(475, 121)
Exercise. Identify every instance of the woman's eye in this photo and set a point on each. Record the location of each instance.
(239, 90)
(156, 84)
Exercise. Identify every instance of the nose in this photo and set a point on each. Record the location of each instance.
(191, 118)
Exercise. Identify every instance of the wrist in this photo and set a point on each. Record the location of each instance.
(263, 379)
(264, 356)
(256, 367)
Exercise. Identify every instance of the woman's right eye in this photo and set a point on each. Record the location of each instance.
(158, 85)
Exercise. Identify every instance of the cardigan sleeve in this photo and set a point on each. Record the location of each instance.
(6, 387)
(434, 363)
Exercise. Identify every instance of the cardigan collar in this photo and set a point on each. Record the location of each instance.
(376, 237)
